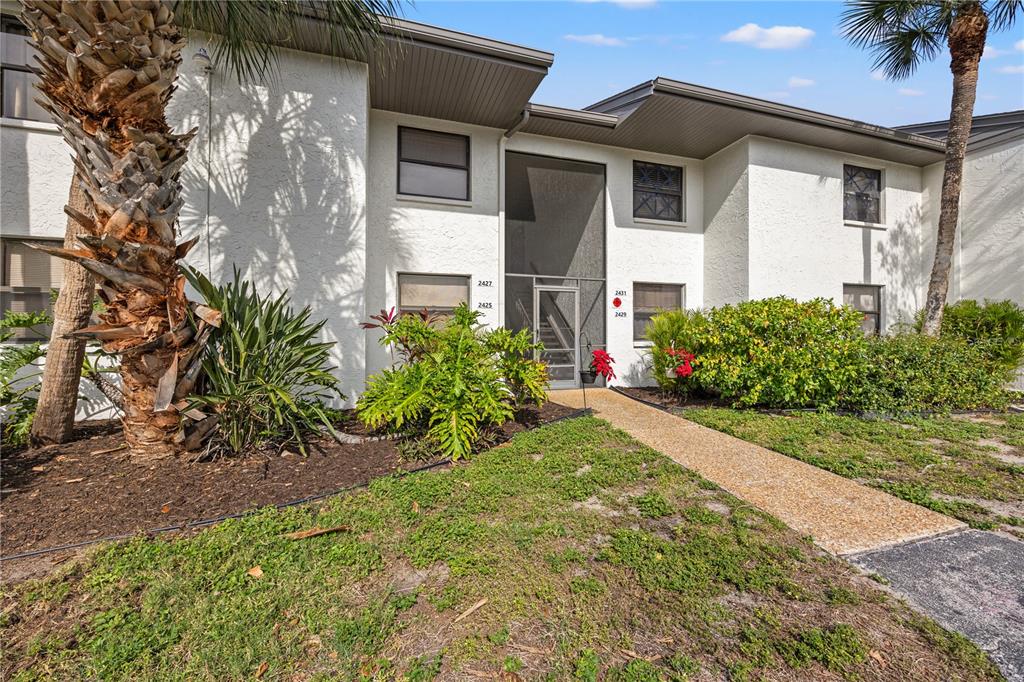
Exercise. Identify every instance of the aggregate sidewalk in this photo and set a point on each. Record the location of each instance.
(843, 516)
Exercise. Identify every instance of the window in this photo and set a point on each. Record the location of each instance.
(657, 191)
(862, 194)
(16, 77)
(439, 294)
(432, 164)
(866, 299)
(26, 280)
(650, 299)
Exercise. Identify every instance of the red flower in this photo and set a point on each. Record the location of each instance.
(601, 363)
(684, 370)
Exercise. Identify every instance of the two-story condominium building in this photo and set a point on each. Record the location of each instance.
(428, 177)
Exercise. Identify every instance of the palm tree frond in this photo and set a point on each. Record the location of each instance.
(1002, 13)
(248, 35)
(900, 33)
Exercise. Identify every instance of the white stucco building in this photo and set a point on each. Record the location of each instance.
(429, 178)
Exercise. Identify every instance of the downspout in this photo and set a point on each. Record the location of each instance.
(523, 118)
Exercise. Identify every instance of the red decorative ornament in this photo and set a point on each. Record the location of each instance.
(616, 302)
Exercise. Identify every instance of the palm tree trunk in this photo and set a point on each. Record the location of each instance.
(966, 44)
(108, 70)
(55, 414)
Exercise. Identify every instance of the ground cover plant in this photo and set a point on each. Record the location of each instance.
(968, 468)
(571, 552)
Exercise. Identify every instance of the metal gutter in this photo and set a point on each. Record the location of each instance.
(523, 118)
(435, 35)
(573, 115)
(672, 87)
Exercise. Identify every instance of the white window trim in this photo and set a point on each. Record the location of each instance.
(416, 199)
(644, 343)
(881, 301)
(398, 289)
(25, 124)
(867, 164)
(684, 203)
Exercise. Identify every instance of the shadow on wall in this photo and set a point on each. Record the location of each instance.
(902, 259)
(993, 258)
(276, 187)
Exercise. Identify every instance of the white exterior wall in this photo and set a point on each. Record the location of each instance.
(34, 179)
(990, 262)
(282, 170)
(726, 225)
(636, 251)
(408, 234)
(800, 245)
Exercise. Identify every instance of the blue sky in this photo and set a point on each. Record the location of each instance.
(788, 52)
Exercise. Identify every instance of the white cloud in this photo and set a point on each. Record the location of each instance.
(910, 92)
(878, 75)
(596, 39)
(1019, 68)
(1019, 46)
(798, 82)
(993, 52)
(774, 38)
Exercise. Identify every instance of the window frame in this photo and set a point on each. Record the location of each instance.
(877, 313)
(681, 286)
(7, 21)
(26, 335)
(881, 195)
(436, 164)
(681, 195)
(443, 311)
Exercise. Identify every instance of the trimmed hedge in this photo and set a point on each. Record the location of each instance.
(781, 353)
(774, 352)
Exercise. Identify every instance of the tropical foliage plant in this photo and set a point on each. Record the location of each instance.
(455, 381)
(108, 71)
(20, 375)
(265, 376)
(904, 33)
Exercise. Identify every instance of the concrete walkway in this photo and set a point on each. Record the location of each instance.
(841, 515)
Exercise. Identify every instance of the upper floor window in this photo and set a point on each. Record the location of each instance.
(17, 94)
(658, 191)
(26, 280)
(862, 194)
(649, 299)
(866, 299)
(438, 294)
(433, 164)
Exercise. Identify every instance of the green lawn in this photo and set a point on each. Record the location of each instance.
(598, 558)
(949, 464)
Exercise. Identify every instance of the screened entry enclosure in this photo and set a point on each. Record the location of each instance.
(555, 258)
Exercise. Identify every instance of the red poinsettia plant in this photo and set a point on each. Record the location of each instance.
(683, 359)
(601, 363)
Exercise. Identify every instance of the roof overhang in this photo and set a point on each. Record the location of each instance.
(672, 117)
(430, 71)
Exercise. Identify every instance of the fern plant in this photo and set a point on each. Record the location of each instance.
(458, 380)
(266, 377)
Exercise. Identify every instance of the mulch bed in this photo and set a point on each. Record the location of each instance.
(668, 400)
(88, 489)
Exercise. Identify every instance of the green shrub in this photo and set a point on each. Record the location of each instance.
(457, 379)
(774, 352)
(912, 372)
(265, 376)
(998, 326)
